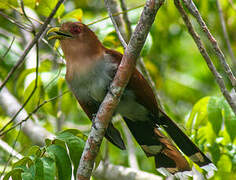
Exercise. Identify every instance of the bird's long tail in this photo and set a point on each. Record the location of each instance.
(185, 144)
(168, 159)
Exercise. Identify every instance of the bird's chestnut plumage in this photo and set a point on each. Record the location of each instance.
(90, 70)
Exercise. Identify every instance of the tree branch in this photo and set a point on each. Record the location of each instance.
(126, 18)
(194, 11)
(141, 64)
(10, 150)
(36, 133)
(115, 20)
(205, 55)
(31, 44)
(121, 79)
(225, 33)
(106, 170)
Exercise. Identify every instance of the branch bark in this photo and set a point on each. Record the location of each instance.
(121, 79)
(225, 33)
(106, 171)
(31, 44)
(140, 63)
(194, 11)
(36, 133)
(205, 55)
(10, 150)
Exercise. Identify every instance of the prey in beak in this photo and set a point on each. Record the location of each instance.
(59, 34)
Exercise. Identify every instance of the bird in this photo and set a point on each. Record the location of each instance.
(90, 69)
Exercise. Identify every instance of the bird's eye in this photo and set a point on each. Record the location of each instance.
(75, 29)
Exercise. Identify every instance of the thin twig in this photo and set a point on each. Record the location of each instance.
(126, 18)
(141, 64)
(225, 33)
(232, 4)
(28, 19)
(117, 87)
(205, 55)
(36, 74)
(13, 21)
(10, 155)
(31, 44)
(108, 6)
(8, 49)
(9, 149)
(35, 132)
(194, 11)
(36, 20)
(115, 14)
(33, 112)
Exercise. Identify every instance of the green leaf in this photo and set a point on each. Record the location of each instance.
(6, 4)
(45, 7)
(32, 150)
(22, 162)
(214, 113)
(206, 133)
(75, 15)
(34, 100)
(225, 163)
(39, 169)
(63, 164)
(49, 166)
(15, 174)
(30, 3)
(74, 144)
(230, 119)
(198, 115)
(29, 173)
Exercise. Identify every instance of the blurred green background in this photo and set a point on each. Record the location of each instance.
(187, 89)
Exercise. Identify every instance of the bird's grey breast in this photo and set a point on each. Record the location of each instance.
(93, 83)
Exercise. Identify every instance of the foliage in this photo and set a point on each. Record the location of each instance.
(53, 160)
(183, 80)
(212, 125)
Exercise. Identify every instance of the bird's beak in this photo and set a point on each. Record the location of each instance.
(59, 34)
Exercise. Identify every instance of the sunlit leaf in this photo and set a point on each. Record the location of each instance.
(199, 114)
(16, 173)
(62, 161)
(230, 119)
(49, 168)
(75, 15)
(39, 169)
(6, 4)
(45, 7)
(225, 163)
(35, 98)
(74, 144)
(214, 110)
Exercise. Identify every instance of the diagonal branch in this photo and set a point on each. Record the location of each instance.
(225, 33)
(194, 11)
(107, 170)
(140, 63)
(10, 105)
(108, 4)
(205, 55)
(31, 44)
(121, 79)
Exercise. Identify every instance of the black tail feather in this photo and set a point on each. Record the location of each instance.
(183, 141)
(154, 143)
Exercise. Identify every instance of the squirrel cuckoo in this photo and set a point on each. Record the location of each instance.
(90, 70)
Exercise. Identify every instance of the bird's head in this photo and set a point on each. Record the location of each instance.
(76, 39)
